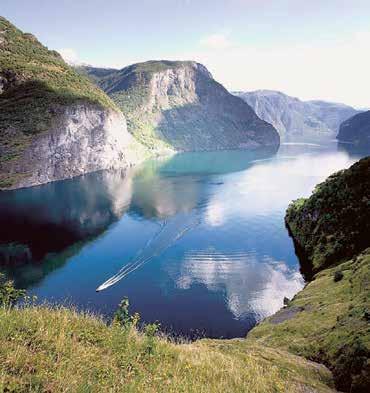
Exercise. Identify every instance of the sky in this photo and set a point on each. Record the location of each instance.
(308, 49)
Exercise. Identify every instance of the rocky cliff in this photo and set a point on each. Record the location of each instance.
(179, 106)
(82, 138)
(356, 130)
(294, 118)
(54, 123)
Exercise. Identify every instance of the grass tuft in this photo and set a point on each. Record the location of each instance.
(60, 350)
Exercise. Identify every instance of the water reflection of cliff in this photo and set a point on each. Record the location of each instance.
(53, 221)
(179, 184)
(353, 150)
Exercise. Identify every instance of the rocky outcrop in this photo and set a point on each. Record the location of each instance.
(356, 130)
(82, 138)
(294, 118)
(8, 80)
(178, 105)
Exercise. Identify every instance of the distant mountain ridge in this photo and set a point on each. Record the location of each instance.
(178, 105)
(294, 118)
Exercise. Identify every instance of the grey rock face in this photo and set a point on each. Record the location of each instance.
(180, 105)
(294, 118)
(84, 138)
(8, 79)
(356, 130)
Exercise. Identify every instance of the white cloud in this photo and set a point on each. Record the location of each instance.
(280, 176)
(216, 41)
(328, 69)
(215, 214)
(252, 284)
(334, 70)
(69, 55)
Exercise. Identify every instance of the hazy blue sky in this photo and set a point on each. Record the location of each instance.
(310, 49)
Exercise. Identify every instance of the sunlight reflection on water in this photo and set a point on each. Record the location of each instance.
(196, 241)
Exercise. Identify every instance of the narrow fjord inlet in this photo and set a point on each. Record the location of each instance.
(195, 241)
(184, 196)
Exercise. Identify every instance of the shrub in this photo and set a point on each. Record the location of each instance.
(122, 316)
(338, 275)
(150, 331)
(9, 295)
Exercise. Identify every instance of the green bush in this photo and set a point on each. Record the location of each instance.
(338, 275)
(9, 295)
(123, 317)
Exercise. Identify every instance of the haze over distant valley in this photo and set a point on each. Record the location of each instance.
(296, 119)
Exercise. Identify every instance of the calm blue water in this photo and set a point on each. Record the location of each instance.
(196, 241)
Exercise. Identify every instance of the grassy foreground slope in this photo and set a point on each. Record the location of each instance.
(59, 350)
(328, 321)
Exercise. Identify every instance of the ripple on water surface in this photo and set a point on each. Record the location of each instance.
(196, 241)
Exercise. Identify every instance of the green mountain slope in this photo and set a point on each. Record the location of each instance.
(178, 105)
(36, 89)
(33, 80)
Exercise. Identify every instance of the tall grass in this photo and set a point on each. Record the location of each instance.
(44, 349)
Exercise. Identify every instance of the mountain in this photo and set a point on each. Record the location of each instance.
(294, 118)
(54, 123)
(356, 130)
(178, 105)
(328, 321)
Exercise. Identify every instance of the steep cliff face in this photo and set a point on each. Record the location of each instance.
(356, 130)
(178, 105)
(82, 138)
(54, 123)
(294, 118)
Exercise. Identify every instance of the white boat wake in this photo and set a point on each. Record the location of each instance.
(170, 232)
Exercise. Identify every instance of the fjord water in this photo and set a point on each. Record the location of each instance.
(196, 241)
